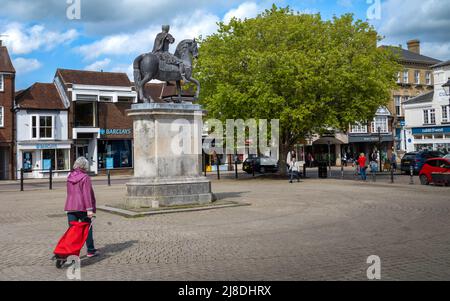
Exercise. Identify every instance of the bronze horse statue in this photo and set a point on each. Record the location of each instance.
(149, 66)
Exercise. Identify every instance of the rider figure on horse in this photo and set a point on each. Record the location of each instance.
(161, 49)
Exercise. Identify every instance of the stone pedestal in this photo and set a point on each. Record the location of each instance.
(167, 156)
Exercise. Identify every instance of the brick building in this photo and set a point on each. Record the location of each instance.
(7, 88)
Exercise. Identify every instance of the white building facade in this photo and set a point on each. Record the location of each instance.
(42, 133)
(427, 116)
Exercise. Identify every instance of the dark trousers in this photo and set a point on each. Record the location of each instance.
(82, 217)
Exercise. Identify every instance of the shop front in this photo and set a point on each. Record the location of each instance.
(369, 143)
(429, 138)
(37, 159)
(115, 151)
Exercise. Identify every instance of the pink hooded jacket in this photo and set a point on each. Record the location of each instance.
(80, 195)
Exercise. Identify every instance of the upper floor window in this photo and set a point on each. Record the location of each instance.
(380, 123)
(429, 116)
(86, 113)
(398, 105)
(106, 98)
(417, 77)
(405, 77)
(2, 117)
(445, 114)
(399, 77)
(428, 78)
(359, 128)
(2, 83)
(42, 127)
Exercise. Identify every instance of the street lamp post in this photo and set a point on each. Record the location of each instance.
(379, 148)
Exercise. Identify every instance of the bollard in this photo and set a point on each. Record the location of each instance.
(304, 171)
(411, 173)
(21, 179)
(342, 171)
(253, 167)
(235, 169)
(218, 169)
(204, 163)
(392, 174)
(51, 179)
(109, 177)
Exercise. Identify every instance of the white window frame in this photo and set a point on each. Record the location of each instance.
(2, 116)
(428, 116)
(2, 82)
(398, 105)
(406, 76)
(428, 78)
(38, 127)
(384, 127)
(446, 114)
(417, 77)
(358, 128)
(399, 78)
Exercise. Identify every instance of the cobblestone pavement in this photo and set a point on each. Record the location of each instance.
(313, 230)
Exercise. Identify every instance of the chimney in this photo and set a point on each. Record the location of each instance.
(414, 46)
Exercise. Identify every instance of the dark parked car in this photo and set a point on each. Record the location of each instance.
(435, 166)
(417, 160)
(261, 164)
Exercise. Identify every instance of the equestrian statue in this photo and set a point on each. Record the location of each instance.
(160, 64)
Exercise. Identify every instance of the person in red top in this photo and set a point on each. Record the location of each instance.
(362, 160)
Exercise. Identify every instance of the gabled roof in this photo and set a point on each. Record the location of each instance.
(94, 78)
(5, 61)
(411, 57)
(40, 96)
(423, 98)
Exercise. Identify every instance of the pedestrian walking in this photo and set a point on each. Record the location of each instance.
(362, 160)
(393, 161)
(81, 203)
(294, 170)
(344, 159)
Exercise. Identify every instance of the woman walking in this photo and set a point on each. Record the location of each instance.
(81, 203)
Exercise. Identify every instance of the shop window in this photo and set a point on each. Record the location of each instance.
(27, 161)
(56, 159)
(85, 114)
(115, 154)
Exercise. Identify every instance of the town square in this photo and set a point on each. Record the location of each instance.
(224, 141)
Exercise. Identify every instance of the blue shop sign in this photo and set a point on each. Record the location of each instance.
(109, 163)
(46, 146)
(115, 132)
(434, 130)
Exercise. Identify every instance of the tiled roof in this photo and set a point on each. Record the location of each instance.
(412, 57)
(423, 98)
(5, 61)
(93, 78)
(40, 96)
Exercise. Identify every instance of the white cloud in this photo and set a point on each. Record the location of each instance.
(245, 10)
(427, 20)
(23, 65)
(24, 40)
(98, 65)
(200, 23)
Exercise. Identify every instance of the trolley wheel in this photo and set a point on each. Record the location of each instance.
(60, 263)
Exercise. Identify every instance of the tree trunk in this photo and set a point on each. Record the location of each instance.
(284, 150)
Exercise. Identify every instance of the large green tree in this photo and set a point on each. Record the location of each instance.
(309, 73)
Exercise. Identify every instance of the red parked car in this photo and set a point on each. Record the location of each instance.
(436, 165)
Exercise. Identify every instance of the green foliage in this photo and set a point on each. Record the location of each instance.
(308, 72)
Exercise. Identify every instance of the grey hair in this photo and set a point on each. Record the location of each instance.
(81, 163)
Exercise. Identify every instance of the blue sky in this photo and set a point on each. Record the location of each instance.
(110, 34)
